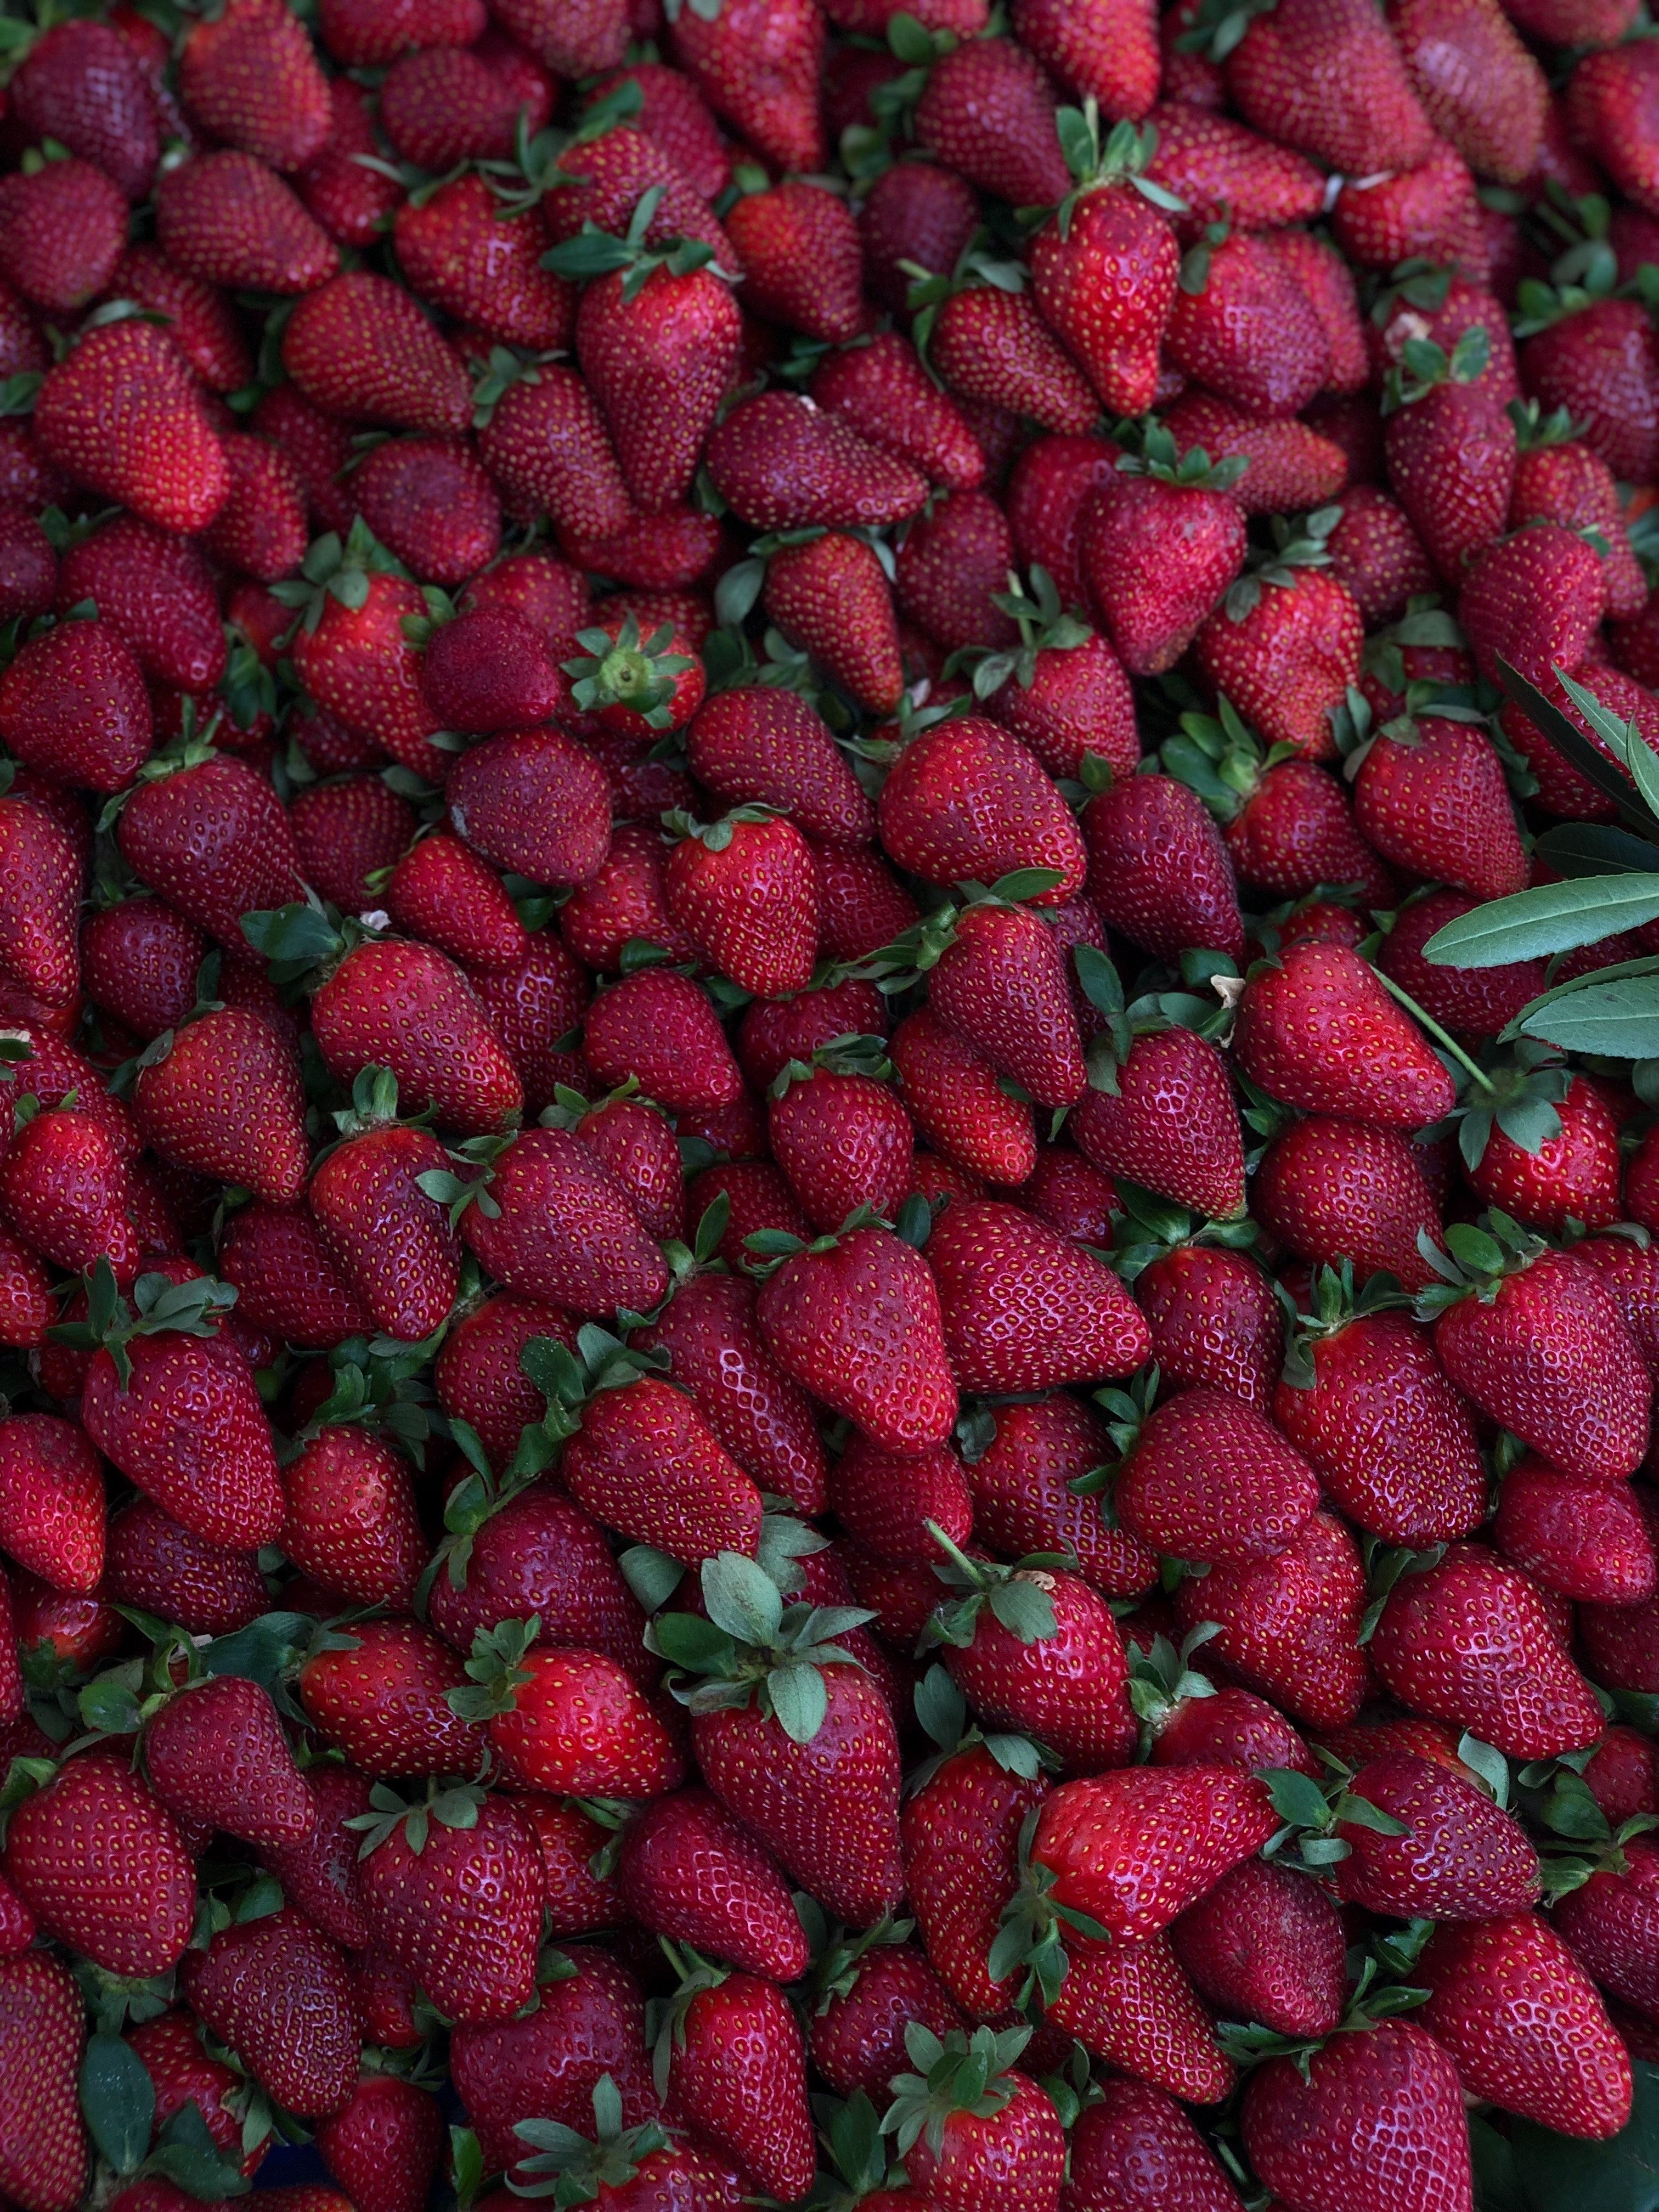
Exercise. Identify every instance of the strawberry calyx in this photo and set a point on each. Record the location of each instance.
(1034, 1925)
(629, 671)
(942, 1709)
(305, 942)
(1580, 1840)
(1475, 1260)
(521, 180)
(833, 1972)
(458, 1192)
(1584, 271)
(1536, 431)
(1123, 1020)
(1150, 450)
(1310, 1812)
(1523, 1093)
(755, 1646)
(977, 270)
(896, 967)
(496, 1668)
(1424, 366)
(772, 1247)
(1013, 1596)
(1120, 159)
(338, 568)
(1332, 1304)
(960, 2074)
(1161, 1680)
(575, 2169)
(1222, 758)
(858, 2157)
(1044, 626)
(453, 1805)
(594, 252)
(1218, 25)
(850, 1054)
(1150, 1228)
(567, 1380)
(1298, 542)
(158, 1304)
(1126, 1409)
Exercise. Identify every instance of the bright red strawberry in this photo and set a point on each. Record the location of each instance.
(559, 1228)
(359, 347)
(966, 801)
(42, 2149)
(1024, 1308)
(1469, 1640)
(987, 111)
(1158, 869)
(661, 1028)
(1168, 1119)
(384, 2145)
(1290, 1626)
(216, 1755)
(735, 2070)
(382, 1700)
(123, 416)
(970, 2127)
(392, 1241)
(1490, 1869)
(1375, 2125)
(745, 891)
(830, 594)
(1134, 1848)
(759, 746)
(1267, 1944)
(1450, 453)
(1609, 1923)
(72, 704)
(64, 225)
(534, 802)
(101, 1863)
(1335, 1190)
(782, 463)
(224, 1098)
(1284, 647)
(351, 1518)
(1319, 1031)
(153, 1562)
(758, 66)
(227, 219)
(1207, 1477)
(212, 837)
(843, 1138)
(250, 76)
(1106, 50)
(1157, 554)
(689, 1871)
(645, 1461)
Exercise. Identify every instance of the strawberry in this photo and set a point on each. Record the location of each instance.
(249, 76)
(1483, 1982)
(1608, 1923)
(689, 1871)
(381, 1699)
(661, 1028)
(575, 1901)
(1266, 1945)
(1538, 1344)
(1335, 1190)
(461, 251)
(987, 111)
(533, 801)
(758, 67)
(384, 2145)
(52, 1500)
(546, 445)
(152, 1562)
(1325, 78)
(1429, 795)
(881, 388)
(1288, 1626)
(81, 83)
(842, 1137)
(1469, 1640)
(255, 1984)
(321, 1873)
(1134, 1848)
(990, 345)
(674, 114)
(477, 1376)
(1491, 1867)
(1001, 982)
(782, 463)
(745, 891)
(589, 2024)
(123, 416)
(1159, 1109)
(1450, 450)
(101, 1863)
(1534, 600)
(441, 890)
(890, 1505)
(212, 838)
(172, 1402)
(351, 1518)
(359, 347)
(261, 527)
(1287, 464)
(1158, 871)
(917, 213)
(1105, 50)
(40, 876)
(646, 1462)
(431, 504)
(389, 1239)
(559, 1228)
(758, 746)
(216, 1756)
(224, 1098)
(1376, 2121)
(1319, 1030)
(1289, 827)
(535, 1556)
(831, 596)
(490, 669)
(1430, 212)
(1131, 2005)
(1539, 1178)
(65, 223)
(807, 1760)
(754, 2111)
(1584, 1540)
(972, 2130)
(1596, 360)
(1285, 648)
(349, 834)
(452, 1892)
(1365, 1399)
(966, 801)
(657, 336)
(1479, 86)
(856, 2034)
(1024, 1309)
(1206, 1478)
(1214, 1319)
(784, 232)
(42, 2161)
(66, 1191)
(1376, 552)
(864, 905)
(447, 106)
(1157, 549)
(227, 219)
(181, 2073)
(1037, 1651)
(1221, 171)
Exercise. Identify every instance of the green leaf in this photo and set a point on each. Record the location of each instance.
(185, 2153)
(742, 1599)
(799, 1701)
(263, 1649)
(1619, 1020)
(1489, 1763)
(651, 1575)
(1596, 848)
(1296, 1797)
(118, 2099)
(1551, 918)
(1024, 1611)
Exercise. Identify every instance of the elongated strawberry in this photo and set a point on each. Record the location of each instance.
(744, 890)
(1320, 1031)
(782, 463)
(1158, 869)
(212, 838)
(558, 1227)
(225, 1098)
(1207, 1477)
(1159, 541)
(755, 2111)
(966, 801)
(687, 1871)
(1134, 1848)
(1289, 1625)
(382, 1699)
(1493, 1868)
(123, 416)
(44, 2162)
(1266, 1945)
(1340, 1189)
(100, 1863)
(1024, 1308)
(216, 1754)
(251, 1984)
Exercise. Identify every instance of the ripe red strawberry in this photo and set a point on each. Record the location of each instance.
(987, 111)
(250, 77)
(758, 66)
(1001, 981)
(1168, 1120)
(1134, 1848)
(429, 502)
(689, 1871)
(1542, 1181)
(809, 1761)
(1544, 1349)
(1594, 361)
(213, 839)
(384, 2145)
(1366, 1400)
(735, 2067)
(382, 1701)
(1105, 50)
(227, 219)
(882, 389)
(1319, 1031)
(843, 1138)
(445, 106)
(952, 1094)
(253, 1984)
(533, 801)
(1158, 869)
(80, 82)
(43, 2150)
(1326, 78)
(1583, 1540)
(971, 2128)
(1207, 1477)
(1290, 1626)
(856, 2034)
(1214, 1319)
(1482, 1982)
(1608, 1923)
(123, 416)
(1157, 554)
(661, 1028)
(181, 2073)
(948, 571)
(758, 746)
(65, 224)
(351, 1518)
(1285, 648)
(101, 1863)
(152, 1562)
(1469, 1640)
(52, 1500)
(1490, 1869)
(560, 1227)
(546, 445)
(798, 246)
(1024, 1308)
(1376, 553)
(440, 891)
(358, 347)
(1450, 453)
(1267, 1944)
(966, 801)
(993, 346)
(1036, 1651)
(389, 1238)
(463, 252)
(1343, 1190)
(216, 1755)
(1377, 2124)
(1222, 172)
(744, 890)
(224, 1098)
(319, 1874)
(645, 1463)
(65, 1190)
(918, 213)
(782, 463)
(1429, 795)
(478, 1379)
(451, 1891)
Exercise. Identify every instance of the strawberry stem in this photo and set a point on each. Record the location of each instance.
(1446, 1043)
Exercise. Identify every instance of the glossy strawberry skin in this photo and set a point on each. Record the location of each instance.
(1290, 1624)
(1024, 1308)
(1325, 2141)
(1134, 1848)
(1266, 1944)
(276, 1991)
(463, 1914)
(100, 1863)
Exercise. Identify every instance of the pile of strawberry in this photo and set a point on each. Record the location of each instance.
(789, 1406)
